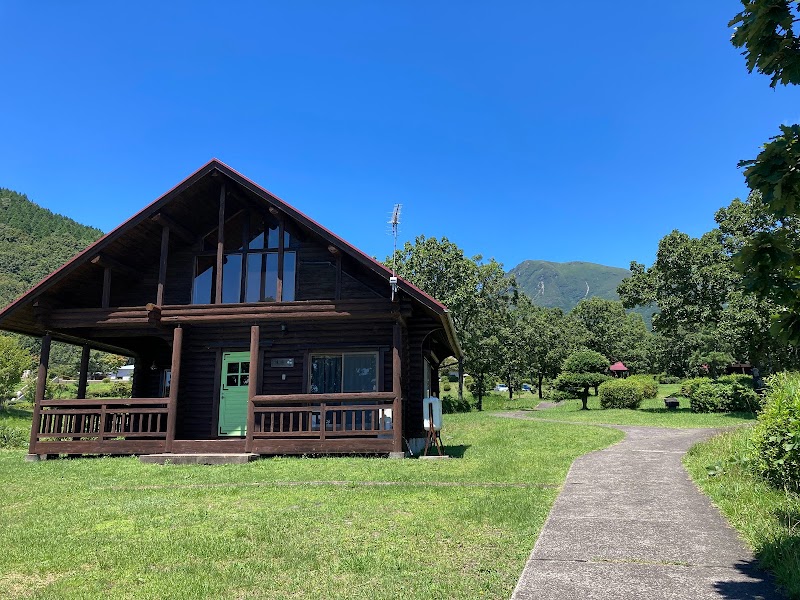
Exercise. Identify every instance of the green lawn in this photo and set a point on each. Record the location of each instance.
(290, 527)
(651, 413)
(767, 518)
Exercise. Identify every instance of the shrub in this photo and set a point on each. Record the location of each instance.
(121, 389)
(737, 378)
(621, 393)
(690, 385)
(723, 396)
(447, 387)
(555, 395)
(776, 437)
(648, 384)
(452, 377)
(451, 405)
(13, 437)
(664, 378)
(707, 397)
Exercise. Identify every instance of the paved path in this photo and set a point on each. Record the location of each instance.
(630, 524)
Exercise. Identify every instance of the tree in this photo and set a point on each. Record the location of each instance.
(476, 292)
(581, 370)
(614, 333)
(770, 260)
(548, 337)
(13, 361)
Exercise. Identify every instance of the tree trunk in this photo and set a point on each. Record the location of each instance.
(541, 378)
(585, 398)
(479, 380)
(461, 379)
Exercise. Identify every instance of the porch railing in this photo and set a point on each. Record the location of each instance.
(324, 417)
(102, 425)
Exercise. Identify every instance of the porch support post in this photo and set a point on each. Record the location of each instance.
(41, 383)
(252, 387)
(175, 380)
(220, 245)
(162, 266)
(83, 377)
(397, 389)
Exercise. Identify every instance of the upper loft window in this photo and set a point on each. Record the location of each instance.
(256, 266)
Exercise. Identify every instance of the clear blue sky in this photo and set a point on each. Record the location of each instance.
(560, 131)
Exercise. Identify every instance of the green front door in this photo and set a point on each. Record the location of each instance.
(233, 393)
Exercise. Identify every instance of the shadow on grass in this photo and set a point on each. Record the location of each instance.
(456, 451)
(759, 584)
(11, 411)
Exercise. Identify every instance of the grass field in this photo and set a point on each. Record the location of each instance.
(289, 527)
(651, 413)
(767, 518)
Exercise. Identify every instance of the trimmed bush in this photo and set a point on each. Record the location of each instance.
(621, 393)
(555, 395)
(708, 398)
(776, 437)
(447, 387)
(664, 378)
(690, 385)
(451, 405)
(723, 396)
(737, 378)
(648, 384)
(452, 378)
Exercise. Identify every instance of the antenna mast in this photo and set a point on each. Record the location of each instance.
(395, 223)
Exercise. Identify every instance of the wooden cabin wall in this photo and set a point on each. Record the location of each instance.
(419, 327)
(198, 402)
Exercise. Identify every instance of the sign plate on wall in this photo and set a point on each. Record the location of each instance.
(281, 362)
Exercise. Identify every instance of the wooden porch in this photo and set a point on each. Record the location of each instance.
(346, 423)
(297, 424)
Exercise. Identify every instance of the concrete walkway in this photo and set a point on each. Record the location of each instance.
(630, 523)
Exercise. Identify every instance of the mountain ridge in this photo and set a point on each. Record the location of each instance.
(564, 284)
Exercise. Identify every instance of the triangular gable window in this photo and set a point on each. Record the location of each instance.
(256, 266)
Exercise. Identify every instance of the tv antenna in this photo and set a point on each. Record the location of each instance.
(395, 223)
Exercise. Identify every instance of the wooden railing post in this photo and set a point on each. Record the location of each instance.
(252, 387)
(175, 380)
(397, 406)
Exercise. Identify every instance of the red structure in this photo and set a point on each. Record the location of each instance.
(618, 369)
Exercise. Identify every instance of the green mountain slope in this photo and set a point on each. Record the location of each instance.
(563, 285)
(33, 242)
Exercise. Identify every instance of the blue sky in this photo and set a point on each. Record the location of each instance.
(549, 130)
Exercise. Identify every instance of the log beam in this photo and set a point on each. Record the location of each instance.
(397, 387)
(175, 380)
(175, 227)
(252, 385)
(105, 301)
(162, 265)
(279, 285)
(220, 245)
(83, 377)
(41, 384)
(106, 261)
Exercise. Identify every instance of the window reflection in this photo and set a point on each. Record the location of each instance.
(250, 262)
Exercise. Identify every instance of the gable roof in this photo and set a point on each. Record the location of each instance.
(214, 168)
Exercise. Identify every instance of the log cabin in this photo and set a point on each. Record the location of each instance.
(253, 330)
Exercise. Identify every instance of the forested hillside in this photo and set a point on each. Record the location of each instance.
(563, 285)
(33, 242)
